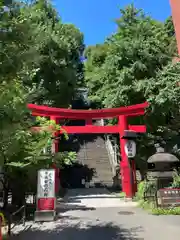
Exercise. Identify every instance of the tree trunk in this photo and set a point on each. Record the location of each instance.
(5, 188)
(5, 198)
(18, 197)
(18, 187)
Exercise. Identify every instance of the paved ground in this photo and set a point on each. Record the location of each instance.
(96, 214)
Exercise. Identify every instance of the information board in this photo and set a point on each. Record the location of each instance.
(46, 183)
(169, 197)
(46, 189)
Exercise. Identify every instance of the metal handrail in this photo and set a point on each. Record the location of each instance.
(113, 159)
(23, 219)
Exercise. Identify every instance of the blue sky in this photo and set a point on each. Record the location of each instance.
(95, 17)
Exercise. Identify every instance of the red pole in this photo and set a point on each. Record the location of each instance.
(126, 173)
(133, 165)
(175, 7)
(55, 149)
(88, 122)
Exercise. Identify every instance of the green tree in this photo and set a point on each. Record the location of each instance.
(136, 66)
(60, 47)
(37, 52)
(35, 39)
(39, 56)
(136, 52)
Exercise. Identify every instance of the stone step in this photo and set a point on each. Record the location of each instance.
(94, 155)
(94, 160)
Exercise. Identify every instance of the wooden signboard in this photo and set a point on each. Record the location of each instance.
(169, 197)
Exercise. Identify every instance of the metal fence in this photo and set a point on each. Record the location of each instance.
(16, 218)
(165, 197)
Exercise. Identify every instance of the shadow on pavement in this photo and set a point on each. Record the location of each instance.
(78, 230)
(72, 207)
(85, 192)
(77, 199)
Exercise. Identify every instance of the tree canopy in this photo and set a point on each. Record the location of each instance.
(138, 49)
(134, 65)
(39, 63)
(44, 51)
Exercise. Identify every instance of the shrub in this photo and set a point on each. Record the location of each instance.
(144, 188)
(176, 179)
(140, 191)
(149, 205)
(168, 211)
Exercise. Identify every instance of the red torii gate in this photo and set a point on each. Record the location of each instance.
(122, 114)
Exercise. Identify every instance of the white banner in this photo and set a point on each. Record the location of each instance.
(46, 183)
(130, 149)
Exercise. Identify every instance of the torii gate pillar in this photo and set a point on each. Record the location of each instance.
(124, 163)
(127, 168)
(55, 149)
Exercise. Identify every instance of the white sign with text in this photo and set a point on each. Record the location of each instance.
(46, 183)
(130, 148)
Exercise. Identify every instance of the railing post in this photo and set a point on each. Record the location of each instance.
(110, 156)
(24, 215)
(9, 225)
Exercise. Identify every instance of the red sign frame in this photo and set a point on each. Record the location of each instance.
(46, 204)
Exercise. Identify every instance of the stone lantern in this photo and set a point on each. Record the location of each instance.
(161, 166)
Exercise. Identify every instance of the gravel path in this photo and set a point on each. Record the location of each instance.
(96, 214)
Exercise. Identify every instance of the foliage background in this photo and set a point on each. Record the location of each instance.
(135, 65)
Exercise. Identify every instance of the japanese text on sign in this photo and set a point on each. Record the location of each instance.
(46, 183)
(169, 197)
(130, 148)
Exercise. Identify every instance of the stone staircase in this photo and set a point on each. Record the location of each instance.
(93, 154)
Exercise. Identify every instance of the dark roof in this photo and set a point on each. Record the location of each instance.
(162, 157)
